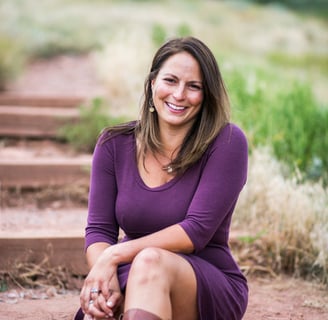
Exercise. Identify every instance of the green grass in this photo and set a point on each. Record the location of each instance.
(93, 118)
(284, 115)
(12, 59)
(315, 61)
(306, 7)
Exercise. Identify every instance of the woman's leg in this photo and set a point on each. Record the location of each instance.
(162, 283)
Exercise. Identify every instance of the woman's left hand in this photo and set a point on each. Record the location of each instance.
(101, 296)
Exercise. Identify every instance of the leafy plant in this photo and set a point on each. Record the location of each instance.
(283, 115)
(11, 59)
(183, 30)
(158, 34)
(83, 134)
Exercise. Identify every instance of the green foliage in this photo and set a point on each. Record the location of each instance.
(317, 7)
(11, 59)
(315, 61)
(184, 30)
(93, 119)
(250, 239)
(284, 115)
(159, 34)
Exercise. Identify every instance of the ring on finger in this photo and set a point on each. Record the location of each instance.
(94, 290)
(90, 302)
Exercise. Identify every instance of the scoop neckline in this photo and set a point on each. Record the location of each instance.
(141, 182)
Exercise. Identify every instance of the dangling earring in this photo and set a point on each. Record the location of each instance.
(151, 105)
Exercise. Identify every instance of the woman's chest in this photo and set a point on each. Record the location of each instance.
(140, 209)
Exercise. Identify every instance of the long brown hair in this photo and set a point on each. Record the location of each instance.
(214, 113)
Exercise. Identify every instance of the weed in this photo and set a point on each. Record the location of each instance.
(283, 115)
(184, 30)
(93, 119)
(33, 275)
(11, 59)
(159, 34)
(294, 217)
(316, 61)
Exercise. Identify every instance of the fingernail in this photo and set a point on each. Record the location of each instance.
(109, 303)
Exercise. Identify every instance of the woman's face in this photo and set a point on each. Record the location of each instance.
(178, 91)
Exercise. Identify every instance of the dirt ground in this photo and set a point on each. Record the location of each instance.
(270, 299)
(282, 298)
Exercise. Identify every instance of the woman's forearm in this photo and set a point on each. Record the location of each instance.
(94, 251)
(172, 238)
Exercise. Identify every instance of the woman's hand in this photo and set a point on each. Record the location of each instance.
(101, 296)
(101, 308)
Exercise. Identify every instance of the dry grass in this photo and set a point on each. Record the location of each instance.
(122, 66)
(70, 196)
(286, 222)
(42, 275)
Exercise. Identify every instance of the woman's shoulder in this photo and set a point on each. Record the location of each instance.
(230, 133)
(121, 132)
(230, 138)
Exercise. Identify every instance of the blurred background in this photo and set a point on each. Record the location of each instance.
(95, 54)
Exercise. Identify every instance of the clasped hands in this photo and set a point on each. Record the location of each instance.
(101, 296)
(101, 307)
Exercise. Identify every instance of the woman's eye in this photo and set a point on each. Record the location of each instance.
(169, 80)
(195, 87)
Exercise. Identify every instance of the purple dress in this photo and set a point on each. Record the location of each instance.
(201, 201)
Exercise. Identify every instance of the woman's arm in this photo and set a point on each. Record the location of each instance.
(103, 274)
(223, 177)
(172, 238)
(94, 251)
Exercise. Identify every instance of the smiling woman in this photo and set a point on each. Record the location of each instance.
(177, 92)
(170, 181)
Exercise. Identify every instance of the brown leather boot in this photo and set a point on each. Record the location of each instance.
(139, 314)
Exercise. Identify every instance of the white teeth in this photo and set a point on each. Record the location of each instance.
(175, 107)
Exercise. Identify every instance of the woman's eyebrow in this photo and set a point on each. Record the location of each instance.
(174, 76)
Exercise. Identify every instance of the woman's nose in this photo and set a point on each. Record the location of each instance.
(179, 92)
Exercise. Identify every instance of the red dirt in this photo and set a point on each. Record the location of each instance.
(276, 299)
(282, 298)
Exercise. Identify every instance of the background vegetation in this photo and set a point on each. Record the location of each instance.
(274, 58)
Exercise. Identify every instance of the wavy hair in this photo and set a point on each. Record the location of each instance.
(213, 116)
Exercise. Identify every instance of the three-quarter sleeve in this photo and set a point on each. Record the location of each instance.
(102, 225)
(222, 179)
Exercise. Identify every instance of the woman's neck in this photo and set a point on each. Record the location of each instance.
(171, 142)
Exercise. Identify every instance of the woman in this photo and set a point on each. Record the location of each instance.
(170, 181)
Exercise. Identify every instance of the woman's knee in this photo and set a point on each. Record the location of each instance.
(148, 265)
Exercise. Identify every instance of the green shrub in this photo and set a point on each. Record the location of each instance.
(11, 59)
(159, 34)
(284, 115)
(183, 30)
(318, 62)
(93, 118)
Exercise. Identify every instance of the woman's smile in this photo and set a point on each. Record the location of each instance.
(178, 91)
(175, 108)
